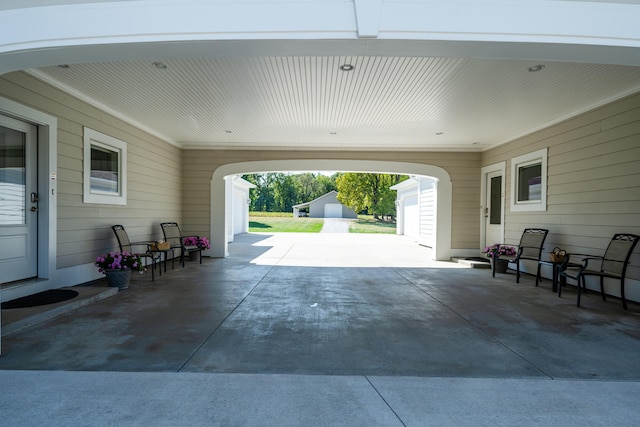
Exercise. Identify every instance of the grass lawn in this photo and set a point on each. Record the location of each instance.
(276, 222)
(367, 224)
(283, 222)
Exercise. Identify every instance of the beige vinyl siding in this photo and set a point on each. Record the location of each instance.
(199, 165)
(154, 172)
(593, 186)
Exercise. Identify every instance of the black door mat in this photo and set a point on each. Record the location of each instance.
(51, 296)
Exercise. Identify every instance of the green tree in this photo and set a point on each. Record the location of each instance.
(262, 198)
(311, 186)
(285, 193)
(278, 192)
(368, 191)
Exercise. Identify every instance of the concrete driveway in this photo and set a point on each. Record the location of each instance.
(353, 329)
(336, 225)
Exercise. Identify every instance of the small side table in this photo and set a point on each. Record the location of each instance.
(166, 256)
(556, 269)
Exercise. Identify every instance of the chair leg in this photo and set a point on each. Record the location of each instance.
(493, 267)
(604, 298)
(200, 252)
(518, 271)
(538, 277)
(580, 279)
(624, 300)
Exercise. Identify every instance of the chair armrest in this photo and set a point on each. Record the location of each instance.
(143, 243)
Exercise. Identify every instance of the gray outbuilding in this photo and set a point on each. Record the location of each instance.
(326, 206)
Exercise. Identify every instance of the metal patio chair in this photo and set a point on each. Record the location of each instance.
(613, 265)
(126, 246)
(172, 234)
(530, 248)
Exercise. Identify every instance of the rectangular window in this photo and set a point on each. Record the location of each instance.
(529, 182)
(495, 214)
(13, 177)
(105, 160)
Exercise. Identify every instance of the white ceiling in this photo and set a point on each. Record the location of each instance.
(307, 102)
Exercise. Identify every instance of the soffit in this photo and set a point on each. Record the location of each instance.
(307, 102)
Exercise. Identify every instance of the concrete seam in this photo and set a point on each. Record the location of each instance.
(202, 344)
(384, 400)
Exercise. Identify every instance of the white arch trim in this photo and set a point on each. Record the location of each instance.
(219, 244)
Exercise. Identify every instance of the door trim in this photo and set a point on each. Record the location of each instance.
(496, 167)
(47, 126)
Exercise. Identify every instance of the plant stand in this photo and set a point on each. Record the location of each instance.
(118, 278)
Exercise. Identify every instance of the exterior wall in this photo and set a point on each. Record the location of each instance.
(593, 186)
(348, 213)
(463, 168)
(154, 175)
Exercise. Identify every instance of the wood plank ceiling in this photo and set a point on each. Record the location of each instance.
(309, 102)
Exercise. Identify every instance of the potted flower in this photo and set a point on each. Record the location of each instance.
(200, 242)
(117, 267)
(494, 252)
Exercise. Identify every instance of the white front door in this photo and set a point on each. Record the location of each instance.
(493, 208)
(18, 200)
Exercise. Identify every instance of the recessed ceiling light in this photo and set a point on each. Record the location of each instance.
(535, 68)
(439, 133)
(160, 65)
(227, 131)
(64, 66)
(333, 133)
(346, 67)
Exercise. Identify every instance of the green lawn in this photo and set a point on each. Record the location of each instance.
(283, 222)
(367, 224)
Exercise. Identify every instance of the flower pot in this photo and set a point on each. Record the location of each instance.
(501, 265)
(118, 278)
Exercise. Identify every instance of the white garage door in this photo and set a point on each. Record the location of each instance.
(428, 214)
(333, 210)
(411, 216)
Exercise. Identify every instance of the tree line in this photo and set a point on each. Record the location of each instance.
(362, 192)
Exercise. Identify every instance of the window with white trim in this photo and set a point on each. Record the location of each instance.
(529, 182)
(105, 169)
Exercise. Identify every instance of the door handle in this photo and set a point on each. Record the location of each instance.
(34, 197)
(34, 209)
(486, 212)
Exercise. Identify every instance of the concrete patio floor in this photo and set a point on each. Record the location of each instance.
(327, 329)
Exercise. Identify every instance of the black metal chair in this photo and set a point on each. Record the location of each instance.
(172, 234)
(126, 246)
(530, 248)
(613, 265)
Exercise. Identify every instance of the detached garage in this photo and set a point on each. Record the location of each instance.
(326, 206)
(416, 209)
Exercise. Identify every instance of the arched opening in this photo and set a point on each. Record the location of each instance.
(220, 213)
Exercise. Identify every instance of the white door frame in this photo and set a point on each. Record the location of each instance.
(47, 180)
(496, 167)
